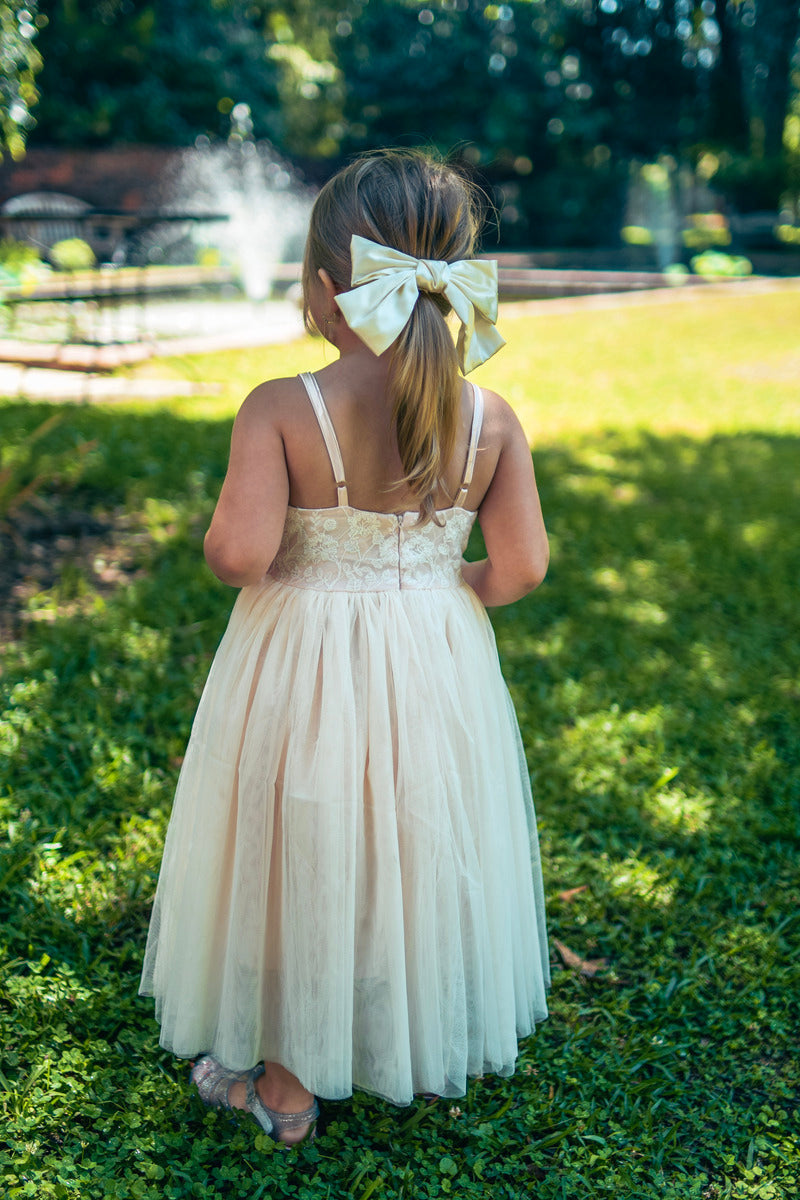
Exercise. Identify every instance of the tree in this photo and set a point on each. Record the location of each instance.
(556, 97)
(551, 99)
(161, 71)
(19, 62)
(768, 39)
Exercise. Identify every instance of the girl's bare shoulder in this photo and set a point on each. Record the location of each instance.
(270, 404)
(500, 422)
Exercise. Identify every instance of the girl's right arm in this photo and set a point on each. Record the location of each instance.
(248, 522)
(511, 521)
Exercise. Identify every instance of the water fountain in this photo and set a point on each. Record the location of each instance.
(652, 211)
(265, 207)
(229, 221)
(264, 213)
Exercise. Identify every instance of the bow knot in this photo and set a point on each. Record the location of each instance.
(432, 275)
(385, 287)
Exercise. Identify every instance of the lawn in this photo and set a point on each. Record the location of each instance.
(656, 676)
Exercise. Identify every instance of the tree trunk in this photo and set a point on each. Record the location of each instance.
(728, 109)
(776, 32)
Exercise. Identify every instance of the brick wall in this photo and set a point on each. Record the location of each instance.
(121, 177)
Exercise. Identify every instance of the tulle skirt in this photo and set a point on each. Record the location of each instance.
(351, 882)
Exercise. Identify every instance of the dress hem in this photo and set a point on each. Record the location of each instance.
(505, 1071)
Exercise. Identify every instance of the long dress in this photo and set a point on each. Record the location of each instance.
(351, 883)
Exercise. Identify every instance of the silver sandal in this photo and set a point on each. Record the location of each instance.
(214, 1082)
(274, 1123)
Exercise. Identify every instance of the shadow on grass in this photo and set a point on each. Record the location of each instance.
(655, 677)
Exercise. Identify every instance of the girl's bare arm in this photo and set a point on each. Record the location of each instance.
(248, 522)
(510, 517)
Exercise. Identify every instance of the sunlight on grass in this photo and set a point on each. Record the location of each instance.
(715, 362)
(655, 675)
(760, 532)
(644, 612)
(637, 878)
(681, 810)
(84, 888)
(609, 579)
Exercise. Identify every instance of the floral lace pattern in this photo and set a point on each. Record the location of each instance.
(352, 550)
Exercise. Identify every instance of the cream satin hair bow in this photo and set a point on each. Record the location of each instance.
(386, 284)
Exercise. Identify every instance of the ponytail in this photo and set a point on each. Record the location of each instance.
(424, 387)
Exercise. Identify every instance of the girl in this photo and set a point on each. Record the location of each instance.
(350, 894)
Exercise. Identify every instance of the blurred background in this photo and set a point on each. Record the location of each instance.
(611, 134)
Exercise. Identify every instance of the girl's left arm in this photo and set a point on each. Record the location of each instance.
(248, 522)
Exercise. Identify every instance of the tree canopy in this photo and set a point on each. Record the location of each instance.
(553, 97)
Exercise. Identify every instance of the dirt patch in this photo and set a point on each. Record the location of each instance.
(50, 544)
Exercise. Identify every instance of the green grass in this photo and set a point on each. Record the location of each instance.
(656, 677)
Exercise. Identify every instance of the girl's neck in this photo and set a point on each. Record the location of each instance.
(360, 366)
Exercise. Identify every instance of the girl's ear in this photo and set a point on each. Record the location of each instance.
(330, 287)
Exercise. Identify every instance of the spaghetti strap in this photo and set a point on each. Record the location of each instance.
(474, 437)
(328, 434)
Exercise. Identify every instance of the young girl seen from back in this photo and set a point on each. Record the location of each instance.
(350, 894)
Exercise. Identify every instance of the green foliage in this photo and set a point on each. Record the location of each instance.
(208, 256)
(706, 229)
(20, 264)
(655, 676)
(712, 262)
(72, 254)
(15, 256)
(637, 235)
(27, 468)
(161, 71)
(751, 184)
(550, 101)
(19, 63)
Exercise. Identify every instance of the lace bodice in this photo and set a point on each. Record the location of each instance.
(345, 549)
(351, 550)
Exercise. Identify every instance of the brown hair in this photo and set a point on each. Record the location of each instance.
(421, 206)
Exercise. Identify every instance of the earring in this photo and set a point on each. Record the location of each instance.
(329, 324)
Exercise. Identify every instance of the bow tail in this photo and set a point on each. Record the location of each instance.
(478, 338)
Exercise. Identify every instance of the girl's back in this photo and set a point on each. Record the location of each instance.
(279, 458)
(363, 421)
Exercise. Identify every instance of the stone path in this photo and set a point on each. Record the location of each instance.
(75, 373)
(60, 387)
(760, 285)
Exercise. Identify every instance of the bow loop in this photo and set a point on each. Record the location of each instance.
(385, 287)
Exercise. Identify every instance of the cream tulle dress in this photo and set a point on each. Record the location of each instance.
(351, 882)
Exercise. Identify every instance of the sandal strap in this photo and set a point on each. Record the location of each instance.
(273, 1122)
(294, 1120)
(214, 1081)
(259, 1110)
